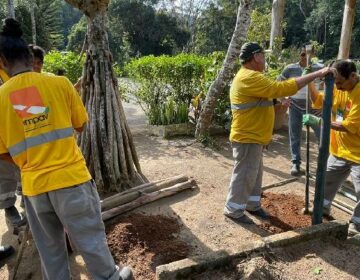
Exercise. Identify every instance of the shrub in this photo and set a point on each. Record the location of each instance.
(167, 85)
(67, 61)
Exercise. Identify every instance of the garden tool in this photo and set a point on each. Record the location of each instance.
(323, 150)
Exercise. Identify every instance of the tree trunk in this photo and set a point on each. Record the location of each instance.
(227, 70)
(346, 30)
(33, 20)
(106, 142)
(277, 15)
(11, 9)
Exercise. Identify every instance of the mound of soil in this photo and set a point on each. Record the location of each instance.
(144, 242)
(285, 212)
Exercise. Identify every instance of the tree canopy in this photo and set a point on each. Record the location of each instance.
(137, 28)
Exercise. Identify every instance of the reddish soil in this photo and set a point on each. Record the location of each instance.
(144, 242)
(285, 212)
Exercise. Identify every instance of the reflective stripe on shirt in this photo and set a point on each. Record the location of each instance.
(40, 139)
(260, 103)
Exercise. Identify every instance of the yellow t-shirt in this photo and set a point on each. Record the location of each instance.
(3, 76)
(255, 125)
(346, 110)
(38, 114)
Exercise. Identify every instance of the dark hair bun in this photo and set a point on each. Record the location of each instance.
(11, 27)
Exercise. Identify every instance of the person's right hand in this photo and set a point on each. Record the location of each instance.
(309, 119)
(286, 102)
(326, 70)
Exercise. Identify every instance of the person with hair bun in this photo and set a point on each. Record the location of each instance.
(9, 182)
(37, 123)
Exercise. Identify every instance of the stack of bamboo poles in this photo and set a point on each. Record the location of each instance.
(143, 194)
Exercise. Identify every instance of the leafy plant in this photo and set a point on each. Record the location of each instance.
(167, 85)
(67, 61)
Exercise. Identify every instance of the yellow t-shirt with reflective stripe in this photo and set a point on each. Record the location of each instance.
(345, 144)
(38, 114)
(255, 125)
(3, 77)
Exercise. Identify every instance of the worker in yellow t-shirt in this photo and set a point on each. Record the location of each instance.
(9, 182)
(39, 114)
(253, 114)
(344, 159)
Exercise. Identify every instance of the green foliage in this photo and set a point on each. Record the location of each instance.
(69, 17)
(67, 61)
(77, 35)
(215, 27)
(169, 112)
(185, 80)
(167, 84)
(137, 28)
(222, 114)
(48, 22)
(260, 27)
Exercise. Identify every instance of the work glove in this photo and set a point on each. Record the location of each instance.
(307, 70)
(309, 119)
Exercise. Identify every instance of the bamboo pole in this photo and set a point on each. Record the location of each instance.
(278, 184)
(146, 198)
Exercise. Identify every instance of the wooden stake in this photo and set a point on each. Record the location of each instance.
(134, 193)
(147, 198)
(21, 250)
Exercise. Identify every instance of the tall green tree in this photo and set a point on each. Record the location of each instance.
(69, 17)
(149, 32)
(227, 69)
(216, 24)
(47, 14)
(215, 27)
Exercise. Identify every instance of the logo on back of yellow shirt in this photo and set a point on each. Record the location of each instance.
(28, 105)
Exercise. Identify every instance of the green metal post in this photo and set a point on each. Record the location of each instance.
(323, 151)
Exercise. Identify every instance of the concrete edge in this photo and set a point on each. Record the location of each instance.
(336, 229)
(184, 268)
(355, 240)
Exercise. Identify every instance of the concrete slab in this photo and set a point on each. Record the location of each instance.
(183, 269)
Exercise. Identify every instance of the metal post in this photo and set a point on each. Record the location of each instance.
(309, 50)
(323, 151)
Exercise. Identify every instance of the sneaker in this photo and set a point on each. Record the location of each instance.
(354, 229)
(126, 273)
(244, 219)
(261, 213)
(296, 170)
(14, 218)
(6, 251)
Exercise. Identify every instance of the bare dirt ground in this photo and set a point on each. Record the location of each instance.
(200, 222)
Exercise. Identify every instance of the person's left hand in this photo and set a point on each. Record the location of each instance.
(309, 119)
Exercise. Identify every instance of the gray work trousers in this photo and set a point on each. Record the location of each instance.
(338, 169)
(246, 180)
(9, 182)
(77, 210)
